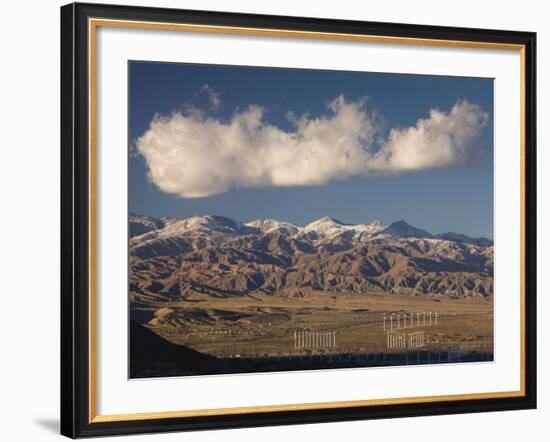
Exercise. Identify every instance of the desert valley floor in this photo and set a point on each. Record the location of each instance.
(263, 325)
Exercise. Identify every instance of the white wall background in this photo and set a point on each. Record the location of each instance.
(29, 224)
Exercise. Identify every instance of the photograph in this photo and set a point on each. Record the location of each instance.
(287, 219)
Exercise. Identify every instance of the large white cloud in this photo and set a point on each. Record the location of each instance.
(194, 155)
(443, 140)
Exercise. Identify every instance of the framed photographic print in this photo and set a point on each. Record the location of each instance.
(278, 220)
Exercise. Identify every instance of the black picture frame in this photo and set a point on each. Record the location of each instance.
(75, 221)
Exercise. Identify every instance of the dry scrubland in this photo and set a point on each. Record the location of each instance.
(259, 325)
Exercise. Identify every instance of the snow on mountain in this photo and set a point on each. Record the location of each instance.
(204, 224)
(184, 234)
(326, 231)
(272, 225)
(327, 227)
(374, 227)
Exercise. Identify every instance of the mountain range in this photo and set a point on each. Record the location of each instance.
(172, 258)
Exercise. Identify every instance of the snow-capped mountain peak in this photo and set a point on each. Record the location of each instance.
(377, 225)
(327, 228)
(204, 224)
(271, 225)
(324, 225)
(371, 228)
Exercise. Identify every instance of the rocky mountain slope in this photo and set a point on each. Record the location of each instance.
(174, 258)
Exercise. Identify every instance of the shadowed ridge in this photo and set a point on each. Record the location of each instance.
(150, 352)
(402, 229)
(459, 237)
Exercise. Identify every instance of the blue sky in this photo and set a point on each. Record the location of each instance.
(438, 196)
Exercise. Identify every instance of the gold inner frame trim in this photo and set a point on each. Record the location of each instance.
(93, 24)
